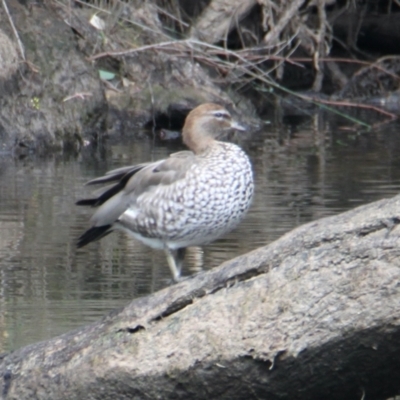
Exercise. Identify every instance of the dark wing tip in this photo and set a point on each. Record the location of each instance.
(122, 178)
(92, 234)
(87, 202)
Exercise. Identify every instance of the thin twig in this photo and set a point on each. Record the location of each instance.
(80, 95)
(20, 45)
(169, 15)
(153, 111)
(137, 49)
(350, 104)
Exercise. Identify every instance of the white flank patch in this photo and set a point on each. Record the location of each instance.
(131, 213)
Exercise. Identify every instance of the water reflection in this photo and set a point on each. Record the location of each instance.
(303, 172)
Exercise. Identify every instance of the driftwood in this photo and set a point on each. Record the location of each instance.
(219, 18)
(314, 315)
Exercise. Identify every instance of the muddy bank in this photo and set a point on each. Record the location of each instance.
(54, 94)
(51, 97)
(76, 72)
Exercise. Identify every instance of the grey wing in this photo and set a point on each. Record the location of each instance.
(164, 172)
(135, 181)
(118, 174)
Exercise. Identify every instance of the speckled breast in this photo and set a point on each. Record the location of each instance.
(209, 201)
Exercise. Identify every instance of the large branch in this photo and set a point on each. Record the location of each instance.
(314, 315)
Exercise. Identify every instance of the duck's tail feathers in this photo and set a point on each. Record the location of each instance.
(92, 234)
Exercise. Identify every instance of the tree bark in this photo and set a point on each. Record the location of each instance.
(314, 315)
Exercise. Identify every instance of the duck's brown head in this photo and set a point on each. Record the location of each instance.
(204, 124)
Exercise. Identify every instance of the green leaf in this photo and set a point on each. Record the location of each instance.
(106, 75)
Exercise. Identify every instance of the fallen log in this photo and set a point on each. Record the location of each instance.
(313, 315)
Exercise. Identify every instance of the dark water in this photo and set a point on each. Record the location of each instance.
(303, 171)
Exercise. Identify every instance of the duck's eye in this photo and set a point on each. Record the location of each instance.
(221, 115)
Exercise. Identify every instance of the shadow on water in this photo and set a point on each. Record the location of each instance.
(305, 169)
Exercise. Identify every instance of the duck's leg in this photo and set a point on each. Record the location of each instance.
(175, 271)
(175, 261)
(180, 257)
